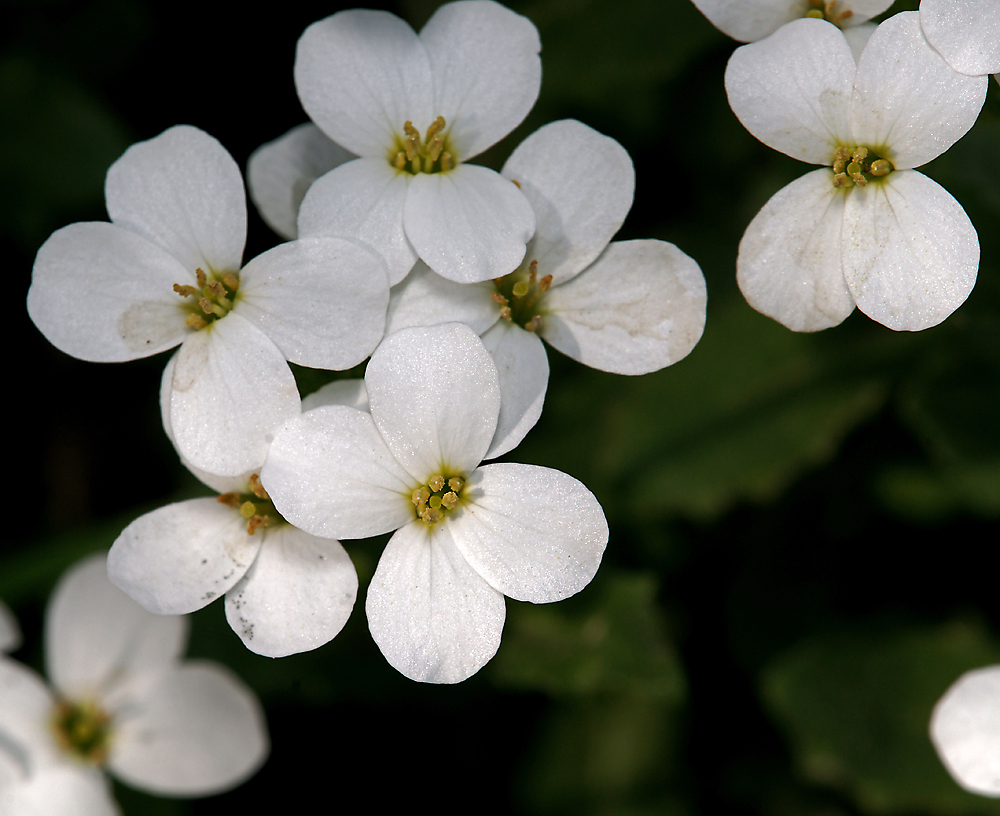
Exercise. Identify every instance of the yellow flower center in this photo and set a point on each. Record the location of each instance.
(212, 298)
(520, 295)
(83, 729)
(827, 10)
(857, 166)
(432, 154)
(254, 505)
(433, 500)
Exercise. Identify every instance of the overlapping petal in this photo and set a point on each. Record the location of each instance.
(60, 790)
(25, 707)
(752, 20)
(965, 32)
(424, 298)
(965, 730)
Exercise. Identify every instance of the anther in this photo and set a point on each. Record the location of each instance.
(436, 483)
(498, 298)
(534, 324)
(449, 500)
(881, 167)
(456, 483)
(257, 488)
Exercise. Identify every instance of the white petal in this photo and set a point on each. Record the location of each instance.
(578, 206)
(198, 730)
(179, 558)
(523, 367)
(434, 618)
(469, 224)
(61, 790)
(102, 293)
(965, 32)
(362, 199)
(183, 191)
(297, 595)
(435, 398)
(534, 533)
(638, 308)
(965, 730)
(94, 633)
(857, 37)
(280, 172)
(360, 75)
(424, 298)
(486, 68)
(230, 390)
(351, 393)
(10, 632)
(793, 90)
(907, 98)
(910, 252)
(26, 707)
(750, 20)
(789, 264)
(329, 473)
(322, 301)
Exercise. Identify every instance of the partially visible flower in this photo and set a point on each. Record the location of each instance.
(866, 230)
(415, 109)
(965, 730)
(965, 32)
(121, 699)
(465, 535)
(752, 20)
(10, 632)
(167, 271)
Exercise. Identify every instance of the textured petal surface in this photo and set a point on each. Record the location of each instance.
(910, 253)
(329, 473)
(280, 172)
(230, 389)
(179, 558)
(469, 224)
(195, 731)
(62, 790)
(750, 20)
(426, 299)
(434, 618)
(793, 90)
(965, 32)
(297, 595)
(95, 634)
(579, 206)
(486, 68)
(435, 397)
(322, 301)
(789, 264)
(534, 533)
(638, 308)
(183, 191)
(965, 730)
(908, 99)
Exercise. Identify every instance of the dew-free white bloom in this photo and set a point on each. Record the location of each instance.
(414, 109)
(167, 271)
(465, 535)
(120, 699)
(866, 230)
(965, 32)
(752, 20)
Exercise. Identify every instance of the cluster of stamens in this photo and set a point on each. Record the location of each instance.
(857, 167)
(518, 296)
(213, 297)
(435, 498)
(254, 505)
(82, 729)
(428, 155)
(827, 10)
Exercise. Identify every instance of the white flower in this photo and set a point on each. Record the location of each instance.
(415, 109)
(965, 730)
(627, 307)
(465, 535)
(965, 32)
(866, 230)
(752, 20)
(121, 699)
(166, 271)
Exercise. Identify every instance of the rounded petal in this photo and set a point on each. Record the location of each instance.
(579, 206)
(435, 397)
(297, 595)
(424, 298)
(638, 308)
(793, 90)
(857, 37)
(534, 533)
(486, 69)
(102, 293)
(362, 199)
(789, 264)
(965, 32)
(196, 730)
(750, 20)
(360, 75)
(434, 618)
(907, 100)
(523, 367)
(60, 790)
(965, 730)
(230, 389)
(351, 393)
(280, 172)
(10, 632)
(181, 557)
(469, 224)
(910, 253)
(95, 634)
(329, 473)
(26, 707)
(322, 301)
(183, 191)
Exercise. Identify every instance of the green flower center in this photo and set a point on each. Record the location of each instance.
(433, 500)
(83, 729)
(858, 166)
(211, 299)
(432, 154)
(254, 505)
(827, 10)
(520, 295)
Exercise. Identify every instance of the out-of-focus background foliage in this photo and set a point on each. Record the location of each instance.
(802, 526)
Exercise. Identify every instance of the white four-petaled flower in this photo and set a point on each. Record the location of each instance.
(752, 20)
